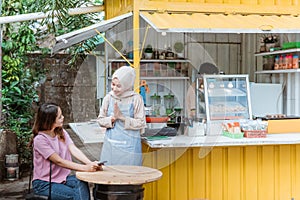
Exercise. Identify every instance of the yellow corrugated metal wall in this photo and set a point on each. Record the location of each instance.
(226, 173)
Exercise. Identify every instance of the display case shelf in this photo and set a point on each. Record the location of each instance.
(226, 92)
(227, 107)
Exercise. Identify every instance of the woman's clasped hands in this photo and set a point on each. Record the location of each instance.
(117, 113)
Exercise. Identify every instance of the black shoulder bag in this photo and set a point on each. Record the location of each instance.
(31, 196)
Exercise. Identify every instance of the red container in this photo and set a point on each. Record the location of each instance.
(255, 134)
(157, 119)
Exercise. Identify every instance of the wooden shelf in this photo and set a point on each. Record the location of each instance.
(279, 71)
(152, 60)
(155, 68)
(278, 52)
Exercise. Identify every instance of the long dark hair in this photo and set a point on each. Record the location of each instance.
(44, 120)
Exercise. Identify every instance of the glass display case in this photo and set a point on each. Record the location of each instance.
(227, 97)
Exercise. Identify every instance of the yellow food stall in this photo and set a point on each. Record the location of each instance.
(263, 168)
(215, 167)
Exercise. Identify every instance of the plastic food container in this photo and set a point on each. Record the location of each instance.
(157, 119)
(255, 134)
(233, 135)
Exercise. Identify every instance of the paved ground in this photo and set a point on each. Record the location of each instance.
(12, 190)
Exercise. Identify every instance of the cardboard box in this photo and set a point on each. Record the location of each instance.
(284, 126)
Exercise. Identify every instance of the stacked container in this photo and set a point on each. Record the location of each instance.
(12, 166)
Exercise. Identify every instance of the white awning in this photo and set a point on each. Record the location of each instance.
(190, 22)
(221, 23)
(69, 39)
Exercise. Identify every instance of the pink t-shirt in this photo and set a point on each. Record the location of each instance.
(43, 147)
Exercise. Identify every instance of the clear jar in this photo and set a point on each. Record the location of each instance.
(268, 62)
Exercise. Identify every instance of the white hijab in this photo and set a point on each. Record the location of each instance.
(126, 76)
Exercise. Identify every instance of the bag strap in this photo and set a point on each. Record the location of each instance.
(30, 175)
(50, 175)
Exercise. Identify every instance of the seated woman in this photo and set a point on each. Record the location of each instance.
(51, 143)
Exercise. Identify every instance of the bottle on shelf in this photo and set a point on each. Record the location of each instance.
(276, 64)
(289, 61)
(280, 66)
(295, 62)
(285, 62)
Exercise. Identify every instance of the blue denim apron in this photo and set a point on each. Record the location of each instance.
(121, 147)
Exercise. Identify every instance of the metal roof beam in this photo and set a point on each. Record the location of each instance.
(41, 15)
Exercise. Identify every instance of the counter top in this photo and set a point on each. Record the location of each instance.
(91, 132)
(218, 140)
(88, 132)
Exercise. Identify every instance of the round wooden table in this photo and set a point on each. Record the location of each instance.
(120, 182)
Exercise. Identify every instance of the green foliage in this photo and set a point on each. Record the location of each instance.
(18, 91)
(60, 22)
(19, 81)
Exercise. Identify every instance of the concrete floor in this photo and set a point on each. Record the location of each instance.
(12, 190)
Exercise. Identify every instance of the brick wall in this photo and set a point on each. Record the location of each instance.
(73, 88)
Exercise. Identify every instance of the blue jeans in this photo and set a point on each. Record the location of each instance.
(73, 188)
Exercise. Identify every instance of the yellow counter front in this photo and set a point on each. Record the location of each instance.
(221, 168)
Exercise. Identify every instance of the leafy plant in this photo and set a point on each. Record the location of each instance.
(18, 88)
(60, 22)
(148, 49)
(20, 81)
(270, 38)
(178, 46)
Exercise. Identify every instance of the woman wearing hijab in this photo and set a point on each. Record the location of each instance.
(123, 115)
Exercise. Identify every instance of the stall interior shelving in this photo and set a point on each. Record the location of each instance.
(289, 78)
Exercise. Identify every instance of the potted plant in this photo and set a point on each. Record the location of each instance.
(178, 46)
(148, 51)
(270, 41)
(118, 44)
